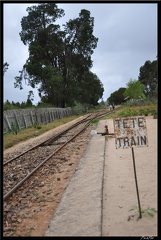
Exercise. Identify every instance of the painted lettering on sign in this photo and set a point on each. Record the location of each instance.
(130, 132)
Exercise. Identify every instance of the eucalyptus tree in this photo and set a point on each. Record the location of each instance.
(92, 89)
(117, 97)
(79, 45)
(58, 59)
(149, 77)
(45, 45)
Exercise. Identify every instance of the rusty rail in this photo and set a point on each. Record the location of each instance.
(7, 195)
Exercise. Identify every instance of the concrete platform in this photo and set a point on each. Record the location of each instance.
(80, 210)
(102, 189)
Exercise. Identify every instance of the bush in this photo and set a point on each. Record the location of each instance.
(141, 112)
(134, 113)
(121, 114)
(14, 128)
(37, 125)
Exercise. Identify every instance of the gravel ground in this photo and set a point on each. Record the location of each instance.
(24, 212)
(80, 210)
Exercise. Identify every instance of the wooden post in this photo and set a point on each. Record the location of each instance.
(31, 116)
(24, 120)
(8, 124)
(137, 190)
(16, 119)
(49, 115)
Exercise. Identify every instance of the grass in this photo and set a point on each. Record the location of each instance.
(95, 121)
(126, 111)
(10, 139)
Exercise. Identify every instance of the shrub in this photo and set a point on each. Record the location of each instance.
(134, 113)
(14, 128)
(37, 125)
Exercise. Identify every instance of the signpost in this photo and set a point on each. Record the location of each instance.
(131, 132)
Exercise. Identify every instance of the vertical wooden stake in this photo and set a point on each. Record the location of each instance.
(137, 190)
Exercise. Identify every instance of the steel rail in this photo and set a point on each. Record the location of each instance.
(7, 195)
(55, 137)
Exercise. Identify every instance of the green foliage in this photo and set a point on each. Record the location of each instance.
(44, 105)
(137, 111)
(156, 114)
(117, 97)
(149, 77)
(8, 106)
(124, 113)
(141, 112)
(59, 60)
(134, 89)
(95, 121)
(149, 211)
(90, 90)
(14, 128)
(134, 113)
(37, 125)
(28, 103)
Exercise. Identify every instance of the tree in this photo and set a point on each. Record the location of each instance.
(79, 45)
(44, 40)
(134, 90)
(117, 97)
(149, 77)
(23, 105)
(5, 67)
(90, 89)
(7, 105)
(57, 59)
(28, 103)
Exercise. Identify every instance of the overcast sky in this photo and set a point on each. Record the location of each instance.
(127, 36)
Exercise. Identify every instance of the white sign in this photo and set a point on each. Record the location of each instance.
(130, 131)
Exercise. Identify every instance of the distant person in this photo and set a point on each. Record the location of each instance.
(113, 106)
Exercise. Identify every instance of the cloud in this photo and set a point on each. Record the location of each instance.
(127, 36)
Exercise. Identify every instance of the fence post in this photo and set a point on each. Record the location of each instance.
(32, 121)
(59, 114)
(24, 120)
(45, 118)
(16, 119)
(49, 116)
(8, 124)
(41, 118)
(51, 113)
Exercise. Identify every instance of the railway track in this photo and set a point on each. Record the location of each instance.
(18, 169)
(30, 185)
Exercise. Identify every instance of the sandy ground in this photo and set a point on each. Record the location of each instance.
(120, 190)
